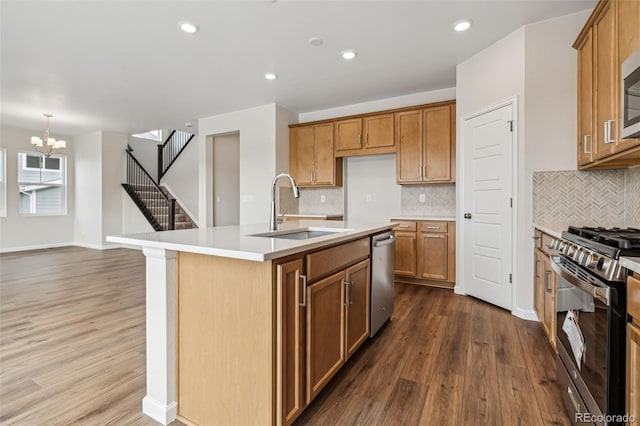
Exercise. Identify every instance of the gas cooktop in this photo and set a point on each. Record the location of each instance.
(626, 240)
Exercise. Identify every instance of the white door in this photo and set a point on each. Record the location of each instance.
(487, 192)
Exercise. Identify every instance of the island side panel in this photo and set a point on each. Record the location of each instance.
(226, 335)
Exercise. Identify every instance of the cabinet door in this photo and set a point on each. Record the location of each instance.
(437, 144)
(585, 101)
(605, 81)
(433, 256)
(409, 149)
(538, 287)
(549, 286)
(291, 312)
(357, 302)
(633, 371)
(628, 42)
(348, 134)
(405, 257)
(325, 160)
(378, 131)
(325, 332)
(302, 154)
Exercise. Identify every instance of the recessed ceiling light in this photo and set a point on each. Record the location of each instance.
(188, 27)
(270, 76)
(462, 25)
(188, 125)
(315, 41)
(348, 54)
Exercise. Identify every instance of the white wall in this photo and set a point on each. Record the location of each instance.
(226, 180)
(381, 104)
(284, 117)
(22, 232)
(371, 190)
(536, 64)
(88, 189)
(146, 152)
(113, 174)
(257, 128)
(133, 221)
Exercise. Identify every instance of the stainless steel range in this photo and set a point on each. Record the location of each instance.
(591, 319)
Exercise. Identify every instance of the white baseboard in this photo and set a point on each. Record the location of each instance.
(164, 414)
(527, 314)
(35, 247)
(193, 217)
(98, 246)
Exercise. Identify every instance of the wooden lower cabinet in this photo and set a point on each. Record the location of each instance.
(291, 311)
(326, 318)
(633, 370)
(405, 253)
(357, 305)
(425, 252)
(544, 287)
(432, 256)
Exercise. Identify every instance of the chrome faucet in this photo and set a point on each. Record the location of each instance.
(273, 225)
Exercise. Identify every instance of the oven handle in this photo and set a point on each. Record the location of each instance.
(600, 293)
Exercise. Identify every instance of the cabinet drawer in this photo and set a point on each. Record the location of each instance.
(332, 259)
(405, 226)
(545, 241)
(633, 298)
(434, 227)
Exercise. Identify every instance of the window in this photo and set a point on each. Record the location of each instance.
(154, 135)
(41, 182)
(3, 182)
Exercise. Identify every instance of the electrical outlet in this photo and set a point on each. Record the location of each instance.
(322, 199)
(423, 198)
(368, 197)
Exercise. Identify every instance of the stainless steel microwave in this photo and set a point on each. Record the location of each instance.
(631, 96)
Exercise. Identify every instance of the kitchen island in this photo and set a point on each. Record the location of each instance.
(246, 326)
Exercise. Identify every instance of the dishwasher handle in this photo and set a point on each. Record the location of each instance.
(384, 242)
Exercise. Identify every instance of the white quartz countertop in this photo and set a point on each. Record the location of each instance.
(632, 263)
(553, 229)
(440, 218)
(237, 242)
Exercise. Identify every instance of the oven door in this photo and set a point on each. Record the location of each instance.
(582, 328)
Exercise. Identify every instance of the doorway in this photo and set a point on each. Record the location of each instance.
(226, 179)
(488, 146)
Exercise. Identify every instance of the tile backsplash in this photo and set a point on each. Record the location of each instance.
(440, 200)
(587, 198)
(310, 201)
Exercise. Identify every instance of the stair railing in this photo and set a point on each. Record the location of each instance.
(169, 151)
(158, 208)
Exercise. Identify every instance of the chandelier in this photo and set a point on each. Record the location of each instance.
(48, 145)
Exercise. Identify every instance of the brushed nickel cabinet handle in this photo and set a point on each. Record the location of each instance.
(303, 278)
(547, 274)
(607, 131)
(584, 143)
(434, 236)
(536, 271)
(433, 227)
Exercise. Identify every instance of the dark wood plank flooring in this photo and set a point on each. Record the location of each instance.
(72, 352)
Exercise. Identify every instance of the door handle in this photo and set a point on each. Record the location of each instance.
(303, 278)
(467, 215)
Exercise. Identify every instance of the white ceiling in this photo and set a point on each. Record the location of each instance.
(126, 67)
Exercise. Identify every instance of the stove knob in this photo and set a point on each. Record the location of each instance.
(592, 261)
(561, 246)
(570, 250)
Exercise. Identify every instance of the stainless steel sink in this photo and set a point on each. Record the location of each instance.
(301, 233)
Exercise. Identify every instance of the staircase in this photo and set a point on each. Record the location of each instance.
(157, 205)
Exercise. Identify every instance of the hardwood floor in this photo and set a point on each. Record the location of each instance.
(72, 352)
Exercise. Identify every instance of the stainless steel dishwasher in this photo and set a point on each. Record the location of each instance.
(382, 258)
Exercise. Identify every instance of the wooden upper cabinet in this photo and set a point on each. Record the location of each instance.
(437, 144)
(628, 43)
(365, 136)
(585, 101)
(348, 135)
(605, 80)
(609, 37)
(311, 156)
(325, 161)
(426, 145)
(409, 152)
(378, 132)
(302, 148)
